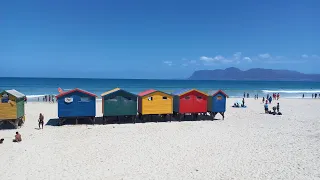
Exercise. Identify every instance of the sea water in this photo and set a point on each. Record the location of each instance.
(36, 87)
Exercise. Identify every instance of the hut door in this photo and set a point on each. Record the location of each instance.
(112, 106)
(128, 105)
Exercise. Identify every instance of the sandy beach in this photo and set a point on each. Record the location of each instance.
(248, 144)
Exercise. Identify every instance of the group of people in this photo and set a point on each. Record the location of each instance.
(17, 138)
(315, 95)
(47, 98)
(236, 104)
(276, 109)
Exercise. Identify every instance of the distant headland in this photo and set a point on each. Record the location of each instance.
(233, 73)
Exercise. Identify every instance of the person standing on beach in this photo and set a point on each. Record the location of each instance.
(278, 96)
(278, 107)
(263, 99)
(315, 95)
(302, 95)
(41, 120)
(244, 94)
(312, 95)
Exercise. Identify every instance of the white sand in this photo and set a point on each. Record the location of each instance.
(246, 145)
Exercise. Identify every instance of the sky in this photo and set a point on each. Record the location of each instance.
(156, 39)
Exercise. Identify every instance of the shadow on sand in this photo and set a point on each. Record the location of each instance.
(130, 120)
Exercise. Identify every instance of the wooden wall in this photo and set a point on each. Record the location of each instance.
(8, 110)
(158, 105)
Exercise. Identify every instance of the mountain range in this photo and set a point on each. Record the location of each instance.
(233, 73)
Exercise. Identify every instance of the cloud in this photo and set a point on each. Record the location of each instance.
(265, 56)
(169, 63)
(237, 55)
(304, 56)
(247, 59)
(217, 58)
(205, 58)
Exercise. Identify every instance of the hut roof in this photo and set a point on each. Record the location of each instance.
(75, 90)
(219, 91)
(144, 93)
(115, 90)
(15, 93)
(185, 91)
(111, 91)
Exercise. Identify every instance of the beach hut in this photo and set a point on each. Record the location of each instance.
(118, 102)
(76, 104)
(189, 101)
(12, 107)
(154, 102)
(217, 103)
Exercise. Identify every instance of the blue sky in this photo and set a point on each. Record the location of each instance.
(156, 39)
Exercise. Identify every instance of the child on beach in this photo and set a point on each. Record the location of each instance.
(266, 109)
(41, 120)
(278, 107)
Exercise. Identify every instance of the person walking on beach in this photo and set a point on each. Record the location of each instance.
(247, 95)
(302, 95)
(244, 94)
(315, 95)
(263, 99)
(278, 96)
(41, 120)
(312, 95)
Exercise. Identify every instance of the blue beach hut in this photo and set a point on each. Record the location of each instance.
(217, 103)
(76, 104)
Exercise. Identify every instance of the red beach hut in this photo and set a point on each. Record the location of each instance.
(190, 101)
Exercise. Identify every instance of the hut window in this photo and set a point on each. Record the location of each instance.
(199, 97)
(187, 97)
(84, 99)
(219, 97)
(164, 97)
(150, 98)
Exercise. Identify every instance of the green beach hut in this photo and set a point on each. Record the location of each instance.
(12, 107)
(118, 102)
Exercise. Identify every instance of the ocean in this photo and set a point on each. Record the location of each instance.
(35, 87)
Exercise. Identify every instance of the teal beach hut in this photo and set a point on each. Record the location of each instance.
(118, 102)
(217, 103)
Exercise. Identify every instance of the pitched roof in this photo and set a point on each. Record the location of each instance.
(15, 93)
(115, 90)
(146, 92)
(75, 90)
(111, 91)
(219, 91)
(185, 91)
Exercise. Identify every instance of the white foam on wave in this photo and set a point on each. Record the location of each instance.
(292, 91)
